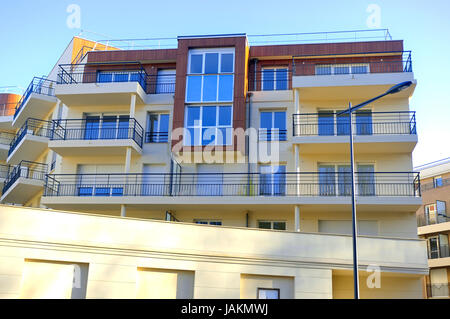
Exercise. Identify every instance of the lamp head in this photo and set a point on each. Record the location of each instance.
(399, 87)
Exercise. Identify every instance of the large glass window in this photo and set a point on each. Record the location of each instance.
(272, 126)
(274, 79)
(272, 180)
(208, 125)
(157, 128)
(165, 81)
(332, 183)
(210, 75)
(106, 127)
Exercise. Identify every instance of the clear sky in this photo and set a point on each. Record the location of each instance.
(33, 34)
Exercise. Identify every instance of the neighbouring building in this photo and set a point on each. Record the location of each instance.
(213, 169)
(433, 223)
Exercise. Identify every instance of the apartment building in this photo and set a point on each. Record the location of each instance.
(433, 223)
(215, 169)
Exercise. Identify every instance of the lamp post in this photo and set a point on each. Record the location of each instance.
(395, 89)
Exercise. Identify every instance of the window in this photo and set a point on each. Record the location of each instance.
(93, 180)
(106, 127)
(328, 118)
(272, 180)
(278, 225)
(330, 69)
(274, 79)
(332, 183)
(119, 76)
(210, 75)
(437, 181)
(268, 293)
(438, 246)
(435, 213)
(208, 222)
(157, 128)
(208, 125)
(165, 81)
(209, 180)
(272, 126)
(430, 214)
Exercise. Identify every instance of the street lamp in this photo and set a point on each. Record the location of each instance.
(395, 89)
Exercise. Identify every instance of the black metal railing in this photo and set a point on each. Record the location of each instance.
(6, 138)
(233, 184)
(161, 84)
(267, 135)
(25, 169)
(102, 73)
(7, 109)
(443, 252)
(353, 63)
(39, 86)
(105, 128)
(364, 123)
(270, 80)
(32, 127)
(156, 137)
(4, 171)
(424, 220)
(430, 186)
(438, 290)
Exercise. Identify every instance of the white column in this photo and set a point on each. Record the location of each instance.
(127, 160)
(133, 105)
(123, 209)
(297, 218)
(297, 101)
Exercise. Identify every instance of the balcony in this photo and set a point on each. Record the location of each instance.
(5, 140)
(430, 186)
(426, 220)
(253, 188)
(30, 141)
(37, 101)
(23, 182)
(109, 135)
(101, 83)
(440, 290)
(355, 75)
(374, 132)
(7, 111)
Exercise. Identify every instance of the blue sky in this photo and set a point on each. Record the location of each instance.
(34, 34)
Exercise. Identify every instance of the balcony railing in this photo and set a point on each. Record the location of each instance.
(430, 186)
(6, 138)
(364, 123)
(267, 135)
(7, 109)
(102, 73)
(4, 171)
(161, 84)
(38, 86)
(25, 169)
(438, 290)
(105, 128)
(353, 63)
(443, 252)
(234, 184)
(32, 127)
(156, 137)
(424, 220)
